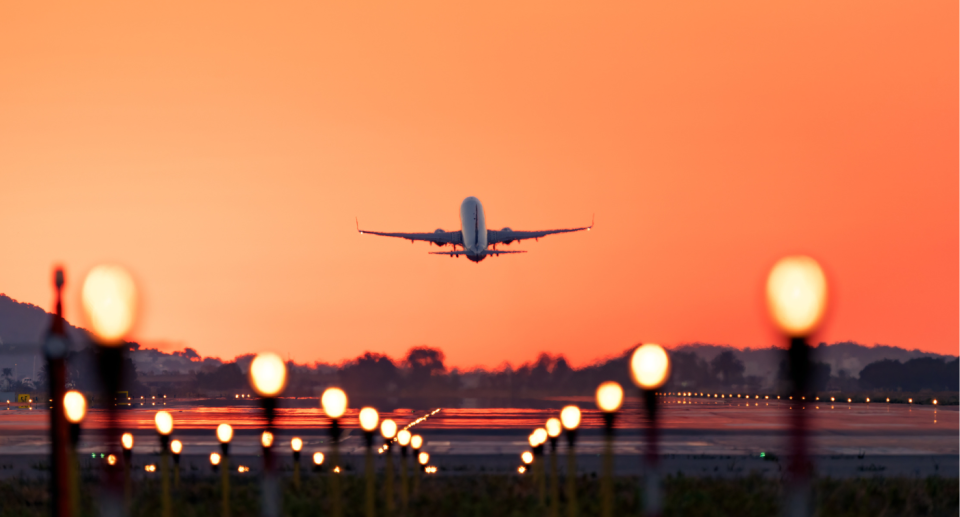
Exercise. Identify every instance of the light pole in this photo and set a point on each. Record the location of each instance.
(388, 429)
(403, 438)
(570, 418)
(797, 301)
(224, 436)
(176, 447)
(163, 421)
(334, 402)
(61, 458)
(109, 300)
(649, 370)
(416, 441)
(369, 419)
(126, 441)
(554, 428)
(75, 409)
(296, 444)
(609, 400)
(268, 377)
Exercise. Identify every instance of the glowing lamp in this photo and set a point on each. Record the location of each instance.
(334, 402)
(268, 374)
(609, 397)
(214, 459)
(388, 428)
(176, 446)
(126, 440)
(521, 469)
(224, 433)
(318, 458)
(649, 366)
(423, 458)
(540, 434)
(934, 402)
(369, 418)
(416, 441)
(74, 406)
(532, 440)
(164, 422)
(296, 444)
(797, 295)
(554, 427)
(570, 418)
(266, 439)
(527, 457)
(403, 437)
(868, 399)
(109, 299)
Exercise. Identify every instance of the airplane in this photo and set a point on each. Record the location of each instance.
(473, 236)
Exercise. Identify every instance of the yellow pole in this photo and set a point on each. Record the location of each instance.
(225, 486)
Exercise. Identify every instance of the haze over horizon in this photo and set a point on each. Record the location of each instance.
(222, 151)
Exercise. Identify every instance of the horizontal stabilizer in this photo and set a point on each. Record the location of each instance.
(486, 252)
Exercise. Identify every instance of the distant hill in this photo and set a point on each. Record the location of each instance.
(25, 324)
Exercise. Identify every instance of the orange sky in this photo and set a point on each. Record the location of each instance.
(222, 150)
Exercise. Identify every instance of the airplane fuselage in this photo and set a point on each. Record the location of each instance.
(473, 227)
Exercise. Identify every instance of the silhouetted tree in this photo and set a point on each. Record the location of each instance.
(727, 368)
(227, 377)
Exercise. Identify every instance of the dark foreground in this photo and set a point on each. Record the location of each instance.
(512, 495)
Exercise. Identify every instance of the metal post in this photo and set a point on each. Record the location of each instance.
(55, 351)
(606, 481)
(572, 504)
(653, 500)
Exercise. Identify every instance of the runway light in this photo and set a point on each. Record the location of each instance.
(609, 396)
(553, 427)
(241, 469)
(527, 457)
(570, 417)
(224, 433)
(868, 399)
(888, 399)
(150, 468)
(521, 469)
(74, 406)
(388, 428)
(266, 439)
(334, 402)
(540, 434)
(214, 459)
(296, 444)
(164, 422)
(369, 418)
(416, 441)
(268, 374)
(126, 440)
(176, 446)
(849, 400)
(423, 458)
(831, 399)
(909, 401)
(797, 295)
(318, 458)
(649, 366)
(934, 402)
(111, 460)
(336, 469)
(403, 438)
(109, 299)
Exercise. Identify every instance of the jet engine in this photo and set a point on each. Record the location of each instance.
(439, 230)
(507, 229)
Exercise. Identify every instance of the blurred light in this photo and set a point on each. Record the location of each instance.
(214, 459)
(797, 295)
(527, 457)
(268, 374)
(318, 458)
(934, 402)
(164, 422)
(334, 402)
(336, 469)
(266, 439)
(109, 299)
(74, 406)
(296, 444)
(888, 399)
(521, 469)
(403, 437)
(609, 396)
(241, 469)
(388, 428)
(416, 441)
(423, 458)
(111, 460)
(176, 446)
(868, 399)
(150, 468)
(553, 427)
(541, 435)
(849, 400)
(532, 440)
(570, 417)
(224, 433)
(369, 419)
(831, 399)
(127, 441)
(909, 401)
(649, 366)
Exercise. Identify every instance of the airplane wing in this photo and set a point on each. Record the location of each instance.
(438, 237)
(485, 252)
(507, 235)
